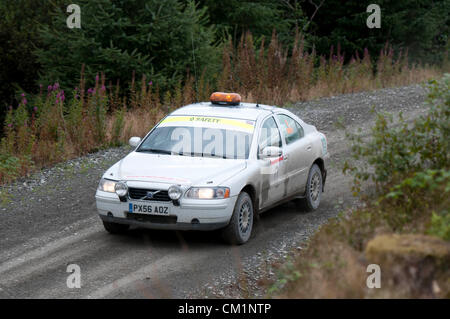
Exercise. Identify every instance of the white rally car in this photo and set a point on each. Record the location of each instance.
(214, 165)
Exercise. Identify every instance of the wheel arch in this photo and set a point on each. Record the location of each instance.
(321, 163)
(251, 191)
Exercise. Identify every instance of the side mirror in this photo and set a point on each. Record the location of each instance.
(271, 151)
(134, 141)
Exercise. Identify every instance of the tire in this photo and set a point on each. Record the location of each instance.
(239, 229)
(313, 191)
(114, 228)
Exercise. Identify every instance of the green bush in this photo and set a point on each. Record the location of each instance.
(416, 198)
(9, 166)
(397, 148)
(440, 225)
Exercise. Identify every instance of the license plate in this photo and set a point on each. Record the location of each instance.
(152, 209)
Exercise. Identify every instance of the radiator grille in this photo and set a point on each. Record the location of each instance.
(148, 194)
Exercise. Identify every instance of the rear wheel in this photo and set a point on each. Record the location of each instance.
(240, 227)
(114, 228)
(313, 193)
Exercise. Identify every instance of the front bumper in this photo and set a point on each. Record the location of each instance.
(191, 214)
(166, 226)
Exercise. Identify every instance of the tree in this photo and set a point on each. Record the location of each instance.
(234, 17)
(153, 38)
(422, 26)
(18, 37)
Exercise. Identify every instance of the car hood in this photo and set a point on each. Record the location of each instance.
(174, 169)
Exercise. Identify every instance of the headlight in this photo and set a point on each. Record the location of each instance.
(174, 192)
(208, 192)
(121, 189)
(107, 185)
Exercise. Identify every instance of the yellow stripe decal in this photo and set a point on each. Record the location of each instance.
(208, 119)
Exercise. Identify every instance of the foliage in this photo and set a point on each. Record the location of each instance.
(421, 27)
(417, 196)
(19, 35)
(118, 37)
(397, 147)
(273, 73)
(234, 18)
(440, 225)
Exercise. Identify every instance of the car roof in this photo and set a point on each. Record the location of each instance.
(245, 111)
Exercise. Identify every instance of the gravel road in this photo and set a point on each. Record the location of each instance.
(48, 221)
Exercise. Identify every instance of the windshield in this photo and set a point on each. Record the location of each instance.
(200, 136)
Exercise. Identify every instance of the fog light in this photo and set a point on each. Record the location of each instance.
(174, 192)
(121, 189)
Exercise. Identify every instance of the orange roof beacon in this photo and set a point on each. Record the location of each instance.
(225, 98)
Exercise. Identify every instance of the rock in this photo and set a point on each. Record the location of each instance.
(413, 263)
(436, 288)
(409, 247)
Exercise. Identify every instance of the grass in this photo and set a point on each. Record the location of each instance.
(5, 198)
(49, 128)
(275, 76)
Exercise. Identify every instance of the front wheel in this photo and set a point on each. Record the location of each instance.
(313, 189)
(240, 227)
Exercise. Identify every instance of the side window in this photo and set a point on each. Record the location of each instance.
(291, 129)
(300, 129)
(269, 134)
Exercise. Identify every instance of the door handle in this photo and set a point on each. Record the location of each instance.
(309, 148)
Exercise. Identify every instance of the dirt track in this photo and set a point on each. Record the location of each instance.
(49, 221)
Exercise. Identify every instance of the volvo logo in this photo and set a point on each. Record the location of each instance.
(150, 194)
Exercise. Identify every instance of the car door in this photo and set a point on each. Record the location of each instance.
(272, 171)
(296, 153)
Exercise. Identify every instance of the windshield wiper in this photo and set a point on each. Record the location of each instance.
(156, 151)
(212, 155)
(192, 154)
